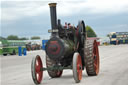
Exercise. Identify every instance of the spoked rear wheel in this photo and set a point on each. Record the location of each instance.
(36, 66)
(91, 57)
(77, 67)
(53, 73)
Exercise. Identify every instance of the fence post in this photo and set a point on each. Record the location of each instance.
(24, 51)
(20, 51)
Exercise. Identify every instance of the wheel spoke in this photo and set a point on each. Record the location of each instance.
(37, 66)
(95, 65)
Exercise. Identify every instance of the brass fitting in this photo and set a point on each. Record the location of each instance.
(52, 4)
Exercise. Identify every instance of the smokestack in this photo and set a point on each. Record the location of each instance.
(53, 15)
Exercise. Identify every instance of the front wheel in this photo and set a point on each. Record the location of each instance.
(77, 67)
(36, 66)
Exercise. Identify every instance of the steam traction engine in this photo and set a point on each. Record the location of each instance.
(68, 48)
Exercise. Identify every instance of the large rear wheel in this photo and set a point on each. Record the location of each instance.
(91, 57)
(53, 73)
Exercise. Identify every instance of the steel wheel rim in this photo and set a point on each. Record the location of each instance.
(96, 57)
(38, 66)
(79, 67)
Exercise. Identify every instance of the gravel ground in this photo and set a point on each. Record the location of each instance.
(16, 70)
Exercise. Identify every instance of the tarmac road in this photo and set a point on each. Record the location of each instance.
(16, 70)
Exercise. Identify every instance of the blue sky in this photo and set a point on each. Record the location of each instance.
(27, 18)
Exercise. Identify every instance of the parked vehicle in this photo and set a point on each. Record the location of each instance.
(10, 46)
(33, 46)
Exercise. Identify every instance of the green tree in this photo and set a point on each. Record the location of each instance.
(23, 38)
(35, 37)
(90, 32)
(12, 37)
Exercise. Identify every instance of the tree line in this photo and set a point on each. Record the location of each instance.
(15, 37)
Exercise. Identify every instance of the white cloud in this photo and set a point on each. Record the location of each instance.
(19, 9)
(121, 27)
(111, 6)
(94, 6)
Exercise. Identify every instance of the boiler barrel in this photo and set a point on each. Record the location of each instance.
(57, 48)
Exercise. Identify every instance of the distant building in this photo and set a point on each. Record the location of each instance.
(118, 38)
